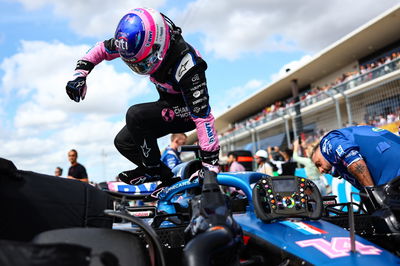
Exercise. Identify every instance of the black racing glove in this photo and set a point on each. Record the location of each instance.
(210, 157)
(76, 89)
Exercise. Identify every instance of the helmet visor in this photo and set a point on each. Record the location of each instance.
(146, 65)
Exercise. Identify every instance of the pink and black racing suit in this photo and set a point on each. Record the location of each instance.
(183, 104)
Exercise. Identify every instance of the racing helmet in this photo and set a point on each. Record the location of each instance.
(142, 39)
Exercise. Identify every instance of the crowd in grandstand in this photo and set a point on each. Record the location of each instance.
(348, 80)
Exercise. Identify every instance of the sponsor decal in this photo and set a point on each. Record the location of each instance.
(138, 10)
(338, 247)
(149, 39)
(181, 111)
(137, 181)
(200, 100)
(145, 149)
(121, 43)
(184, 66)
(195, 78)
(210, 133)
(340, 151)
(142, 213)
(326, 147)
(196, 94)
(167, 114)
(196, 109)
(352, 153)
(304, 228)
(203, 84)
(179, 185)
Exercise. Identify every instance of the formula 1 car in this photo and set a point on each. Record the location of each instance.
(279, 220)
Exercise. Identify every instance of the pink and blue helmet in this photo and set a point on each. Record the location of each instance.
(142, 39)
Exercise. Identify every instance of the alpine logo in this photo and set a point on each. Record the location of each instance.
(209, 132)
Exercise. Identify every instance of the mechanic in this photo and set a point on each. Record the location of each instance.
(151, 44)
(363, 155)
(171, 155)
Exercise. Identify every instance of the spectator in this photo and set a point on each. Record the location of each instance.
(362, 155)
(58, 171)
(171, 156)
(234, 165)
(289, 166)
(263, 165)
(276, 157)
(76, 170)
(312, 172)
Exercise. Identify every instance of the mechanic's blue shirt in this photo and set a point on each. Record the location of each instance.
(379, 148)
(170, 157)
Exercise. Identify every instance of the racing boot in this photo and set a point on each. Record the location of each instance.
(143, 174)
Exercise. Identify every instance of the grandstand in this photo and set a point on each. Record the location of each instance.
(356, 80)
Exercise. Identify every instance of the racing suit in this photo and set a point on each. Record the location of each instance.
(379, 148)
(183, 104)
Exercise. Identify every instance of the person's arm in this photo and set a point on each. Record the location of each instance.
(76, 88)
(346, 152)
(86, 180)
(193, 85)
(360, 171)
(302, 160)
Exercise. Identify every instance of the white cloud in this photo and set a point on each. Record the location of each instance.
(232, 28)
(92, 18)
(290, 67)
(43, 123)
(235, 95)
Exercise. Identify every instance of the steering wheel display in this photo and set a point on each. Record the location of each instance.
(286, 196)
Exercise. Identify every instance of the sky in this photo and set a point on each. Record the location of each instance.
(247, 45)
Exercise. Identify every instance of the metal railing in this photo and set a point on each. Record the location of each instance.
(262, 118)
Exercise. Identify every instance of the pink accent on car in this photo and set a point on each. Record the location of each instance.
(338, 247)
(208, 138)
(98, 53)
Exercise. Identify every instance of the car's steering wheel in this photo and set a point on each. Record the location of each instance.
(277, 197)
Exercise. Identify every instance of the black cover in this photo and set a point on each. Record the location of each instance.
(14, 253)
(31, 203)
(109, 247)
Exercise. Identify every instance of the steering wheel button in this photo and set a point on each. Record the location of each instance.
(264, 181)
(301, 190)
(303, 200)
(271, 196)
(302, 184)
(272, 201)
